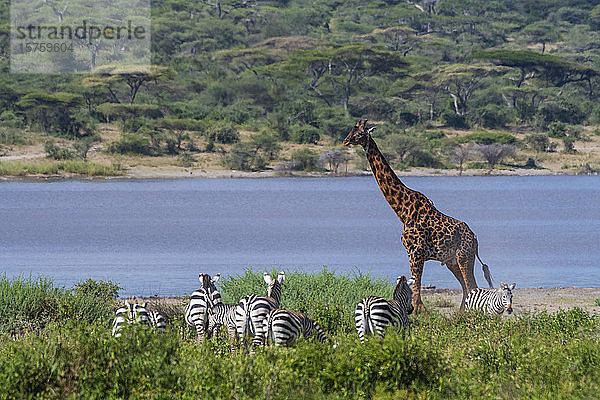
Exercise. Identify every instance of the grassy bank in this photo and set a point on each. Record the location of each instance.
(71, 352)
(51, 167)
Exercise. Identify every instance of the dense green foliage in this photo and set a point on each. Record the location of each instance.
(28, 304)
(305, 71)
(465, 355)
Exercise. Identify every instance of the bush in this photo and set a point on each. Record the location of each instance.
(304, 134)
(493, 116)
(224, 133)
(454, 120)
(132, 143)
(28, 304)
(244, 157)
(59, 153)
(539, 142)
(305, 159)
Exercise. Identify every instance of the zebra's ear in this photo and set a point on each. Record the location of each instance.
(512, 286)
(503, 285)
(216, 277)
(267, 278)
(143, 305)
(410, 282)
(281, 277)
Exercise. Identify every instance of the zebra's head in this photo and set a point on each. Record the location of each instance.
(359, 134)
(274, 288)
(506, 292)
(208, 287)
(403, 293)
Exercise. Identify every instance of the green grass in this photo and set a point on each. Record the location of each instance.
(465, 355)
(29, 305)
(78, 167)
(325, 296)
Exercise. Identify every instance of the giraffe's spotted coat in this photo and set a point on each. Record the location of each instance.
(428, 233)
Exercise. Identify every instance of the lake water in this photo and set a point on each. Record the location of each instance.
(155, 236)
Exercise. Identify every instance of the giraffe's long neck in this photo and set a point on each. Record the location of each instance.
(397, 195)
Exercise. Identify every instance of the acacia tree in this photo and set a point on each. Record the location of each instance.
(461, 81)
(460, 154)
(133, 76)
(494, 153)
(336, 72)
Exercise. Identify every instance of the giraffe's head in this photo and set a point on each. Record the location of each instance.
(359, 134)
(506, 291)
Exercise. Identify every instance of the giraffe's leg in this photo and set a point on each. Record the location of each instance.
(416, 270)
(455, 269)
(465, 264)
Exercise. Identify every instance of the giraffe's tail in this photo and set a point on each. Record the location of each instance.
(486, 272)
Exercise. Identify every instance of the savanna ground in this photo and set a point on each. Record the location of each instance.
(56, 343)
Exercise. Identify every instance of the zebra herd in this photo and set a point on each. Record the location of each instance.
(262, 318)
(134, 312)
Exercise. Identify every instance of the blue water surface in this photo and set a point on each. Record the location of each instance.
(155, 236)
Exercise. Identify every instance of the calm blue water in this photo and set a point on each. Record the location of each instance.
(154, 237)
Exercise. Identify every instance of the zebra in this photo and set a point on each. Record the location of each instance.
(223, 314)
(283, 327)
(157, 321)
(131, 312)
(491, 300)
(252, 311)
(373, 314)
(201, 301)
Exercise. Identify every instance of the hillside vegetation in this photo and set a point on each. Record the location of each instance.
(56, 343)
(254, 85)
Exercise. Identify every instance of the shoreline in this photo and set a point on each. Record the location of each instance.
(447, 301)
(151, 173)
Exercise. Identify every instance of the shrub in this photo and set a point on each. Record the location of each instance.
(304, 134)
(224, 133)
(539, 142)
(58, 153)
(28, 304)
(305, 159)
(493, 116)
(132, 143)
(244, 157)
(454, 120)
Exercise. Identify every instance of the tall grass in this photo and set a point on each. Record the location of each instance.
(325, 296)
(465, 355)
(29, 304)
(51, 167)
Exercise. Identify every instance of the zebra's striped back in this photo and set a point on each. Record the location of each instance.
(373, 314)
(403, 293)
(251, 311)
(201, 301)
(221, 314)
(283, 327)
(131, 312)
(491, 300)
(157, 321)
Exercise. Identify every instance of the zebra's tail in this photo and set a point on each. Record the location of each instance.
(486, 271)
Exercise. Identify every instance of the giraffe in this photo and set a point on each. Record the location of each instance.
(428, 234)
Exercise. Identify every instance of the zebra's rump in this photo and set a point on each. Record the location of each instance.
(251, 312)
(196, 311)
(374, 313)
